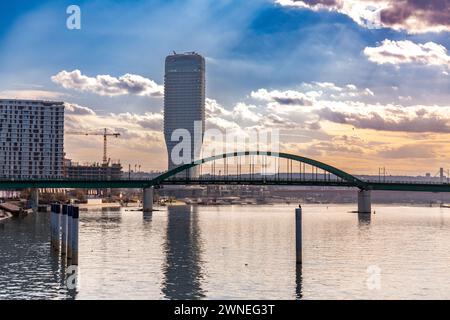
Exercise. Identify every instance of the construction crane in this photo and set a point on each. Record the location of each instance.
(105, 135)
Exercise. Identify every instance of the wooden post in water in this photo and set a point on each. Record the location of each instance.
(34, 199)
(69, 231)
(298, 234)
(57, 227)
(64, 230)
(75, 218)
(52, 225)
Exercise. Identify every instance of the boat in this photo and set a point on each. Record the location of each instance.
(4, 216)
(445, 205)
(13, 209)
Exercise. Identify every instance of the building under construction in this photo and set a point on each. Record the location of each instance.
(106, 170)
(92, 171)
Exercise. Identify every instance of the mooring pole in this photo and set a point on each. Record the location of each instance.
(64, 230)
(75, 221)
(34, 199)
(57, 227)
(52, 225)
(298, 234)
(69, 231)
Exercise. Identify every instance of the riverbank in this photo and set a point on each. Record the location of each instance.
(93, 206)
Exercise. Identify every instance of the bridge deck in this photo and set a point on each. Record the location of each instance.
(331, 177)
(125, 184)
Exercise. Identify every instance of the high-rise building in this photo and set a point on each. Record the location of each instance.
(31, 139)
(184, 101)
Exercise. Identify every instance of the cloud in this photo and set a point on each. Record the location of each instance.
(326, 128)
(246, 114)
(31, 94)
(329, 90)
(148, 120)
(417, 15)
(308, 94)
(335, 147)
(140, 136)
(288, 97)
(106, 85)
(214, 109)
(392, 118)
(414, 151)
(75, 109)
(414, 16)
(402, 52)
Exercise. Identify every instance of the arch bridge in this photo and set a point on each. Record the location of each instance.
(243, 168)
(295, 170)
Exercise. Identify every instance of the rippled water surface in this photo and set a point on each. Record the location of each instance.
(239, 252)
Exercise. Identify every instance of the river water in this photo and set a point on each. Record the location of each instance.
(235, 252)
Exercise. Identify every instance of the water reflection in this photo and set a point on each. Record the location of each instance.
(183, 248)
(364, 219)
(26, 269)
(233, 252)
(109, 219)
(59, 267)
(298, 282)
(148, 217)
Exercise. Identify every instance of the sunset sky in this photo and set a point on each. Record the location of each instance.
(358, 84)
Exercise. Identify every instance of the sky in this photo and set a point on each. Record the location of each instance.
(358, 84)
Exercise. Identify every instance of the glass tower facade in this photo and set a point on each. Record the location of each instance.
(184, 104)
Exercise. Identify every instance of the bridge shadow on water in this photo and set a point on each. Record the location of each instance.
(183, 270)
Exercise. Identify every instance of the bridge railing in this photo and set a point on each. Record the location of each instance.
(391, 181)
(282, 177)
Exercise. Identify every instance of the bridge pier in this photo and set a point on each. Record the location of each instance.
(364, 201)
(34, 199)
(147, 199)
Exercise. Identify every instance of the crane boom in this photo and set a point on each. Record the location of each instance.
(105, 135)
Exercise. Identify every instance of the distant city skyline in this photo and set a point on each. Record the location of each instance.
(348, 83)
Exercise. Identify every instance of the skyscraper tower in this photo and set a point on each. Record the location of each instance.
(184, 102)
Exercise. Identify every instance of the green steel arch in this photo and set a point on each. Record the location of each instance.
(337, 172)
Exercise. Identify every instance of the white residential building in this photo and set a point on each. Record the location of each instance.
(31, 139)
